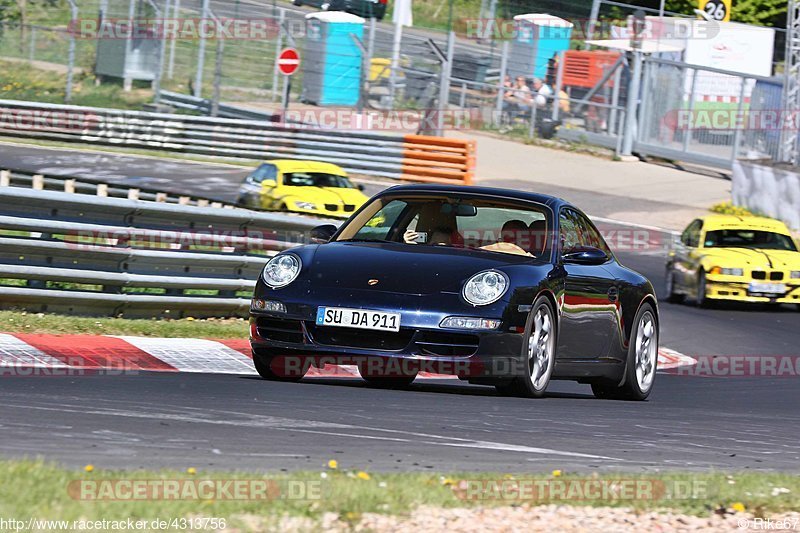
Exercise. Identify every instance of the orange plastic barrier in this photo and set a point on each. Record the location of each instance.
(432, 159)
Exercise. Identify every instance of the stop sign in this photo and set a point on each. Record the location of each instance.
(288, 61)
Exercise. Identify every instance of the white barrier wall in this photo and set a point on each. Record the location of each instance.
(768, 190)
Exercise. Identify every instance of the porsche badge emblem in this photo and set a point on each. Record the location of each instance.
(372, 282)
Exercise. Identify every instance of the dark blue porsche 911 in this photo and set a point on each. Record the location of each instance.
(498, 287)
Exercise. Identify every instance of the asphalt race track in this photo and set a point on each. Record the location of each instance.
(234, 422)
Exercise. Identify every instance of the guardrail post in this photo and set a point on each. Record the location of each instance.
(69, 186)
(102, 189)
(217, 205)
(161, 197)
(202, 203)
(133, 194)
(37, 182)
(5, 178)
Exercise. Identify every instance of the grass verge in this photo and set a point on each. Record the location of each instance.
(209, 328)
(20, 81)
(39, 489)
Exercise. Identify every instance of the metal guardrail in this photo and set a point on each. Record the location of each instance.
(81, 254)
(407, 157)
(83, 185)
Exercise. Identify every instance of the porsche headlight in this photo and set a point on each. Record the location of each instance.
(485, 287)
(795, 274)
(305, 205)
(281, 270)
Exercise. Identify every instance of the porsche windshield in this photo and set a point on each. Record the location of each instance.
(475, 223)
(316, 179)
(746, 238)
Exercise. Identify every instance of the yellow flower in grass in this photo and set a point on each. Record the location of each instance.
(738, 507)
(191, 470)
(333, 464)
(89, 468)
(363, 475)
(556, 473)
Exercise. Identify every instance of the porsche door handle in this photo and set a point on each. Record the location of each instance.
(613, 293)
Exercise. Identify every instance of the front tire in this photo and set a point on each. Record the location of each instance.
(268, 368)
(642, 362)
(701, 299)
(538, 352)
(672, 296)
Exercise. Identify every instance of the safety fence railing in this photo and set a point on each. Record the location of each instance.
(399, 156)
(80, 254)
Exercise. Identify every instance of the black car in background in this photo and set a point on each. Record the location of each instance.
(498, 287)
(362, 8)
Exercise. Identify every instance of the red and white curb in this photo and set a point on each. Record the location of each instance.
(124, 353)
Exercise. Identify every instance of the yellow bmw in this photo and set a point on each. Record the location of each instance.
(726, 257)
(302, 187)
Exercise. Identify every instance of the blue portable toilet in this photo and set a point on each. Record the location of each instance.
(537, 38)
(332, 59)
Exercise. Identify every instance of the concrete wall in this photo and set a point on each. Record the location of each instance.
(768, 190)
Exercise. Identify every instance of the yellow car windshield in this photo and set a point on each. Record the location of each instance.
(745, 238)
(316, 179)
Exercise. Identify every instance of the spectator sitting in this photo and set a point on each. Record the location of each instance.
(542, 91)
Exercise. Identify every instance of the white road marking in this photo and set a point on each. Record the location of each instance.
(306, 426)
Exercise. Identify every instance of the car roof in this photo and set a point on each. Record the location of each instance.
(495, 192)
(719, 222)
(305, 165)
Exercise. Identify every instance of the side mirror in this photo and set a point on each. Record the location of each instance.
(322, 234)
(360, 186)
(585, 255)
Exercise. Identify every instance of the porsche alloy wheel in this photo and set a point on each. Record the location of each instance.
(640, 368)
(539, 353)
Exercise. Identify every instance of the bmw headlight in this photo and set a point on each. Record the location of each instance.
(732, 272)
(305, 205)
(795, 274)
(281, 270)
(485, 287)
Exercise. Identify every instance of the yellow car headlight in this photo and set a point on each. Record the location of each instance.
(305, 205)
(795, 274)
(727, 271)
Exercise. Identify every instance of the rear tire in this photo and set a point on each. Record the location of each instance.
(297, 3)
(538, 353)
(642, 362)
(266, 369)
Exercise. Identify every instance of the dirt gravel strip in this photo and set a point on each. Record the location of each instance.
(525, 518)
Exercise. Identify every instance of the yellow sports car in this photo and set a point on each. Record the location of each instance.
(725, 257)
(301, 187)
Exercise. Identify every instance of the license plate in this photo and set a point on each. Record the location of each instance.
(768, 288)
(358, 318)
